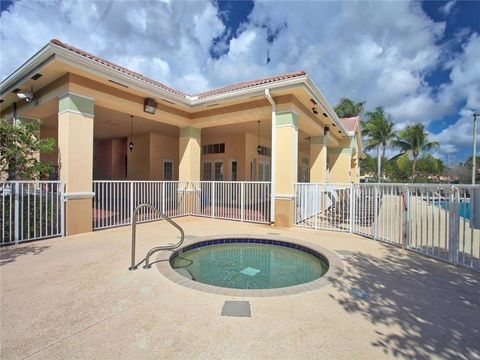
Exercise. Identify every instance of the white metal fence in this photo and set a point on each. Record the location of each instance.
(31, 210)
(115, 201)
(441, 221)
(233, 200)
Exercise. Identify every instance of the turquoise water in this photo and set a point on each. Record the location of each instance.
(463, 210)
(249, 266)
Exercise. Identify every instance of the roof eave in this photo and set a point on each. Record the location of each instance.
(104, 71)
(252, 90)
(328, 108)
(27, 69)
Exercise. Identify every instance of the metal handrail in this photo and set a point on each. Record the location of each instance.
(157, 248)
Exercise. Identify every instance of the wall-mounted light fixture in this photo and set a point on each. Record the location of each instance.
(314, 111)
(259, 147)
(149, 106)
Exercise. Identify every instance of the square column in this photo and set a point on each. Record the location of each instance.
(75, 149)
(340, 164)
(318, 159)
(286, 168)
(189, 154)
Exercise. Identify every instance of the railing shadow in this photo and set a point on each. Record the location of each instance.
(432, 309)
(10, 253)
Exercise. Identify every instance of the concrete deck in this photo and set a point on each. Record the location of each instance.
(74, 298)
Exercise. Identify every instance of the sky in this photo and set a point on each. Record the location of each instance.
(420, 60)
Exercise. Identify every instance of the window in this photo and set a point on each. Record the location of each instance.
(167, 170)
(213, 149)
(263, 171)
(219, 171)
(233, 172)
(207, 171)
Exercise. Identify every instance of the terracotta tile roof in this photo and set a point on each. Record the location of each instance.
(158, 84)
(351, 123)
(247, 84)
(116, 67)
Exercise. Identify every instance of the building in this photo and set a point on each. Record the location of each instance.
(113, 123)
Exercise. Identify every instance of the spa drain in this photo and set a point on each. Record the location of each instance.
(236, 308)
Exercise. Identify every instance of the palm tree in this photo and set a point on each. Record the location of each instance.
(378, 130)
(413, 140)
(348, 108)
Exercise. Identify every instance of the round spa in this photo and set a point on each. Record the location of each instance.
(246, 263)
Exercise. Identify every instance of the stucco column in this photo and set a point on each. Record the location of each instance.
(286, 168)
(189, 163)
(75, 156)
(340, 164)
(189, 154)
(318, 159)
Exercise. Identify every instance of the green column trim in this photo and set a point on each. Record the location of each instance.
(287, 119)
(190, 132)
(317, 140)
(76, 103)
(339, 151)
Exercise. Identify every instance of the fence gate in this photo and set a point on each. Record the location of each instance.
(31, 210)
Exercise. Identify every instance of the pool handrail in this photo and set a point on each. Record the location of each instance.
(157, 248)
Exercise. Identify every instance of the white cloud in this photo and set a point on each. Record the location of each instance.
(380, 52)
(447, 8)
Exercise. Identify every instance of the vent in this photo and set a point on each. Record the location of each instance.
(211, 105)
(119, 84)
(313, 102)
(36, 76)
(16, 91)
(325, 115)
(334, 125)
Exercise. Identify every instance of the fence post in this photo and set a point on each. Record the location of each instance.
(163, 197)
(62, 208)
(132, 198)
(316, 204)
(351, 215)
(453, 227)
(16, 209)
(242, 201)
(375, 210)
(213, 200)
(405, 218)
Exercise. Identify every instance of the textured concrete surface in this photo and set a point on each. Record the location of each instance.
(73, 297)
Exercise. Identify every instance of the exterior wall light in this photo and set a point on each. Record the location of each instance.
(130, 145)
(149, 106)
(314, 111)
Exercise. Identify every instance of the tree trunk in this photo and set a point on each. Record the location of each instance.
(379, 164)
(413, 168)
(383, 157)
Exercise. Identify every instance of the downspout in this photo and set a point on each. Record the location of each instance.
(273, 156)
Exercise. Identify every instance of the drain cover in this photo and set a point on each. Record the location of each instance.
(236, 308)
(250, 271)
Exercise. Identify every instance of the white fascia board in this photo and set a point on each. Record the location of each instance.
(328, 108)
(253, 90)
(108, 73)
(41, 58)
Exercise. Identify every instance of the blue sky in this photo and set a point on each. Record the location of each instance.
(418, 59)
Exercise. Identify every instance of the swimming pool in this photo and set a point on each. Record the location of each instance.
(247, 263)
(463, 207)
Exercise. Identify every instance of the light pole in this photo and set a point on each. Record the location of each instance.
(474, 158)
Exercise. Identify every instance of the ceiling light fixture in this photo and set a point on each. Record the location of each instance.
(130, 145)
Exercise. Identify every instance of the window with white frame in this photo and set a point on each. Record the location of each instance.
(168, 170)
(219, 171)
(207, 171)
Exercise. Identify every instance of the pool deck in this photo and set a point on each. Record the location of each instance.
(73, 297)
